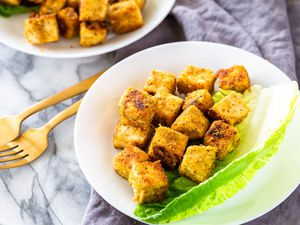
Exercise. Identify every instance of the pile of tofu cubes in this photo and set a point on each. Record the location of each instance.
(90, 19)
(160, 123)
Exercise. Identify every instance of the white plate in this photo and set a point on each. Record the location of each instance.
(11, 34)
(98, 116)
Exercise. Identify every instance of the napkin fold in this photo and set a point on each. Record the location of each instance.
(270, 29)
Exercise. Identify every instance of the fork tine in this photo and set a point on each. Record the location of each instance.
(21, 162)
(11, 152)
(7, 147)
(15, 157)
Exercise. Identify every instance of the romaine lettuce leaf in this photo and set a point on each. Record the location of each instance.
(7, 10)
(261, 133)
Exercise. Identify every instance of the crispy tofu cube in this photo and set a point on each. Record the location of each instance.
(231, 109)
(125, 134)
(41, 29)
(92, 33)
(124, 160)
(193, 78)
(192, 123)
(69, 22)
(138, 107)
(168, 146)
(234, 78)
(140, 3)
(52, 6)
(198, 162)
(74, 4)
(200, 98)
(222, 136)
(11, 2)
(168, 107)
(93, 10)
(149, 182)
(160, 81)
(125, 17)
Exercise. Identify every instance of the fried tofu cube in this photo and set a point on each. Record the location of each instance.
(124, 160)
(52, 6)
(126, 134)
(168, 107)
(222, 136)
(192, 123)
(198, 162)
(138, 107)
(69, 22)
(93, 10)
(193, 78)
(234, 78)
(41, 29)
(231, 109)
(160, 81)
(168, 146)
(11, 2)
(74, 4)
(149, 182)
(125, 17)
(140, 3)
(92, 33)
(200, 98)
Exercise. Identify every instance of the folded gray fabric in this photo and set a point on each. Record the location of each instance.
(270, 29)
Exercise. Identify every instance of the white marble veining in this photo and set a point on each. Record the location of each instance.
(51, 190)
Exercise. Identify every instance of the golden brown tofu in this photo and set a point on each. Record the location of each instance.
(140, 3)
(52, 6)
(74, 4)
(92, 33)
(193, 78)
(93, 10)
(41, 29)
(200, 98)
(126, 134)
(68, 22)
(168, 146)
(231, 109)
(138, 107)
(124, 160)
(168, 107)
(160, 81)
(222, 136)
(149, 182)
(192, 123)
(125, 17)
(198, 162)
(10, 2)
(234, 78)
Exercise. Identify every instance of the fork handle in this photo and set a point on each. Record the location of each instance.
(59, 97)
(65, 114)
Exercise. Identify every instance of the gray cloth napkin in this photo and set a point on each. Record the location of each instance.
(268, 28)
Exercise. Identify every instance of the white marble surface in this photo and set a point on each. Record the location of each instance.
(51, 190)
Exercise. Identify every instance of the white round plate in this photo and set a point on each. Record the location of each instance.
(98, 116)
(11, 34)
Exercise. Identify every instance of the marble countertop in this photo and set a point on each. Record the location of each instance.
(53, 190)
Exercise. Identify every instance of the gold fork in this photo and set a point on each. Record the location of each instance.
(10, 125)
(33, 142)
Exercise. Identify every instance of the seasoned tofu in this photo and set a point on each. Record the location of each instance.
(234, 78)
(10, 2)
(168, 107)
(93, 10)
(193, 78)
(68, 22)
(74, 4)
(124, 160)
(41, 29)
(160, 81)
(222, 136)
(138, 107)
(140, 3)
(126, 134)
(200, 98)
(149, 182)
(168, 146)
(198, 162)
(92, 33)
(231, 109)
(125, 17)
(52, 6)
(192, 123)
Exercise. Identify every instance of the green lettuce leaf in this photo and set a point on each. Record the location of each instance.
(261, 133)
(7, 11)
